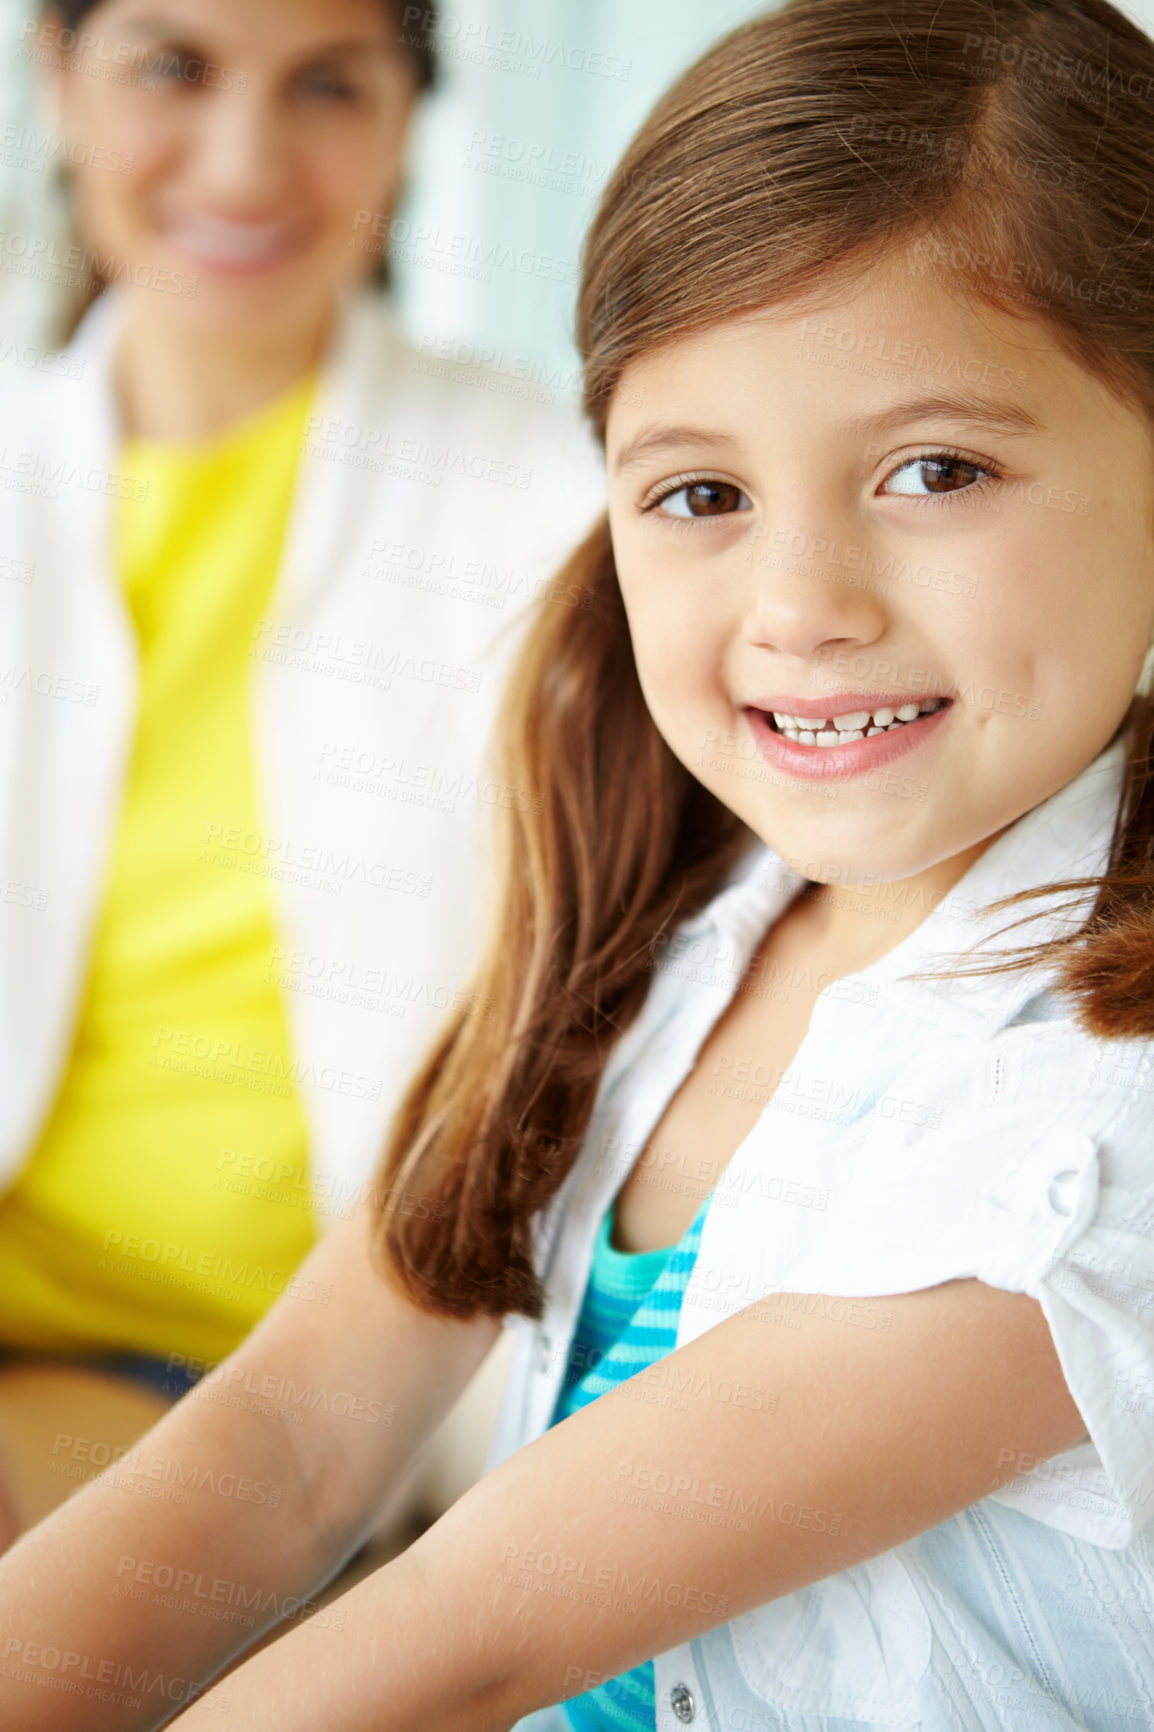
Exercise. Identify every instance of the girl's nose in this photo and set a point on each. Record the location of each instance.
(804, 596)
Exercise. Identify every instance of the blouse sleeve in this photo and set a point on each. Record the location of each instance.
(1028, 1164)
(1079, 1239)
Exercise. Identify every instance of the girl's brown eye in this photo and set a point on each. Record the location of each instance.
(705, 499)
(940, 474)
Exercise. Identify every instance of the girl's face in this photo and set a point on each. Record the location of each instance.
(236, 159)
(895, 504)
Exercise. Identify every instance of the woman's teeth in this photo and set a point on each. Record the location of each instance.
(218, 240)
(859, 725)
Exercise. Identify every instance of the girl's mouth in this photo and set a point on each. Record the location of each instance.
(857, 743)
(823, 732)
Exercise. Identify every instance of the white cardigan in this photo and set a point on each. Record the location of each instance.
(430, 508)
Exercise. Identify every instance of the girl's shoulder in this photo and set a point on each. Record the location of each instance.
(1026, 1139)
(983, 1153)
(1045, 1061)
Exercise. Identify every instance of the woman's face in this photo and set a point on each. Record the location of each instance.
(890, 501)
(239, 157)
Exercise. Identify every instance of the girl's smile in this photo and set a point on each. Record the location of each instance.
(824, 744)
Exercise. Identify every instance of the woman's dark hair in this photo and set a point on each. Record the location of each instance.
(417, 30)
(1007, 147)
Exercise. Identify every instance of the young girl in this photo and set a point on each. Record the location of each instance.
(816, 1177)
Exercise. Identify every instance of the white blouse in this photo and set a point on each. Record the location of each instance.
(925, 1132)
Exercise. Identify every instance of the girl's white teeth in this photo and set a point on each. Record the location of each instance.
(856, 725)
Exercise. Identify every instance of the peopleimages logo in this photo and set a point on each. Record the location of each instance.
(518, 50)
(101, 1679)
(83, 264)
(131, 1470)
(177, 1580)
(122, 61)
(563, 1570)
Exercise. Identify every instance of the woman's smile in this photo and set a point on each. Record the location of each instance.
(233, 246)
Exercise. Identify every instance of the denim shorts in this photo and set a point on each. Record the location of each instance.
(155, 1374)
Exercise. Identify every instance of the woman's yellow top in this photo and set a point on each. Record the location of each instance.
(132, 1227)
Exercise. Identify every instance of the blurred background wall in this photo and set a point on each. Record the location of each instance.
(537, 100)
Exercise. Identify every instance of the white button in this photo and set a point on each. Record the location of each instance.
(1061, 1192)
(682, 1703)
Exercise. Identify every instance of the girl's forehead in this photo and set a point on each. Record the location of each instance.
(890, 338)
(889, 300)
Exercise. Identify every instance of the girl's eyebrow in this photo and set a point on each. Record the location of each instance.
(661, 437)
(999, 416)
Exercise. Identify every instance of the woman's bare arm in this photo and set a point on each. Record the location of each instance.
(592, 1549)
(242, 1501)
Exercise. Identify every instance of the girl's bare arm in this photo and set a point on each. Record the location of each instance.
(237, 1506)
(593, 1549)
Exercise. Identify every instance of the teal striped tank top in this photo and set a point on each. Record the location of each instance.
(628, 1320)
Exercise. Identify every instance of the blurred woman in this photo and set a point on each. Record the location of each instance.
(245, 691)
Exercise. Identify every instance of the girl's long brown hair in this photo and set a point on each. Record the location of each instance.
(1006, 146)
